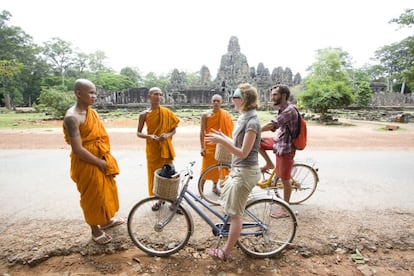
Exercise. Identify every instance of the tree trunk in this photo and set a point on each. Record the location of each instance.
(403, 87)
(7, 102)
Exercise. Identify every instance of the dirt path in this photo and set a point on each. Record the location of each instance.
(385, 239)
(355, 135)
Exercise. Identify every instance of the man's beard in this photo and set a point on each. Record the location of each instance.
(277, 102)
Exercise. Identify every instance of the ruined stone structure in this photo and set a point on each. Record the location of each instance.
(234, 70)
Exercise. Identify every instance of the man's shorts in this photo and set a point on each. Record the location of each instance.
(266, 143)
(284, 165)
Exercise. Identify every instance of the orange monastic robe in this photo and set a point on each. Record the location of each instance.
(98, 190)
(220, 120)
(159, 121)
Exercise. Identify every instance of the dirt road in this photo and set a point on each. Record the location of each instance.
(325, 242)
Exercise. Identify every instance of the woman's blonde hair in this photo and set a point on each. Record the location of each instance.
(249, 96)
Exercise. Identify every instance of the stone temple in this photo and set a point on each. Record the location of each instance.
(234, 70)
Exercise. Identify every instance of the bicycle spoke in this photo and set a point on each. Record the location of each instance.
(155, 232)
(272, 234)
(210, 183)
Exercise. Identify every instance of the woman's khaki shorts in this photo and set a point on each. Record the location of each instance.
(237, 188)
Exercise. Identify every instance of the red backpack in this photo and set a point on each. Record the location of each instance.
(299, 139)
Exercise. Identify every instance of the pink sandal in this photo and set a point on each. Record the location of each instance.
(218, 253)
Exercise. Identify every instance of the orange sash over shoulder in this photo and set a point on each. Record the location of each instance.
(98, 191)
(159, 121)
(220, 120)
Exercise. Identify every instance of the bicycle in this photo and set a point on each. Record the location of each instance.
(164, 232)
(304, 181)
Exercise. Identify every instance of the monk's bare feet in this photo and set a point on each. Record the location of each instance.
(112, 223)
(101, 237)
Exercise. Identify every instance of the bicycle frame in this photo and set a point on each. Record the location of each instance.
(273, 178)
(221, 229)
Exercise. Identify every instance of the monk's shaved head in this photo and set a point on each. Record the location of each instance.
(81, 84)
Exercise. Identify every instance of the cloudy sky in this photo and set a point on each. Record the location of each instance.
(160, 35)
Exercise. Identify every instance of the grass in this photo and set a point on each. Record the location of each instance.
(22, 120)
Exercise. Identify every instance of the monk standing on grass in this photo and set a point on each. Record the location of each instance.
(93, 168)
(214, 119)
(161, 124)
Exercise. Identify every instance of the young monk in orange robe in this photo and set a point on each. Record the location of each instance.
(161, 124)
(93, 168)
(217, 119)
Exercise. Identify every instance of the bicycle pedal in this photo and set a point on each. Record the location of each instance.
(262, 185)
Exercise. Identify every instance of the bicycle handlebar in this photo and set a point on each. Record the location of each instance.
(188, 171)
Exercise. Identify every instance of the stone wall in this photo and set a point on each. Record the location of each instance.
(392, 99)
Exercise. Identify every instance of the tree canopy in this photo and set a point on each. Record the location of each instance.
(328, 85)
(27, 69)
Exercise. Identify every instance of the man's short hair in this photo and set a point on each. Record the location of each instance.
(283, 89)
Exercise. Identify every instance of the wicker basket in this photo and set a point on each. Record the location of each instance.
(165, 187)
(222, 155)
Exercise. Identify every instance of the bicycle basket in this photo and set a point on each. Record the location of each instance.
(165, 187)
(222, 155)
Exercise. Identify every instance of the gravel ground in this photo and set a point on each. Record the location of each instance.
(324, 245)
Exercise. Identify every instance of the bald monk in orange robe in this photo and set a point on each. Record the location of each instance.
(161, 124)
(217, 119)
(93, 168)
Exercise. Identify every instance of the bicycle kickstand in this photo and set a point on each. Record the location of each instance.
(220, 237)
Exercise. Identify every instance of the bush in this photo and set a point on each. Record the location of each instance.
(55, 101)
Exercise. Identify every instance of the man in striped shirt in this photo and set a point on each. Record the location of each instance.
(283, 124)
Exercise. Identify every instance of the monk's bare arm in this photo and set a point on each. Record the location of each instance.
(166, 135)
(202, 132)
(141, 123)
(72, 126)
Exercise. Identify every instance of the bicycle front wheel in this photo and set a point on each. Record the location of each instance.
(210, 182)
(154, 231)
(304, 182)
(269, 226)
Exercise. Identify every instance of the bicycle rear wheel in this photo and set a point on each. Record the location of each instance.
(304, 182)
(265, 236)
(217, 172)
(146, 230)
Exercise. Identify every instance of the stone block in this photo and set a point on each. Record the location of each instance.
(391, 127)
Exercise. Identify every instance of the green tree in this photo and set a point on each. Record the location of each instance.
(59, 55)
(133, 75)
(9, 69)
(17, 48)
(398, 58)
(361, 84)
(152, 80)
(97, 62)
(363, 94)
(376, 72)
(406, 19)
(55, 101)
(112, 82)
(328, 85)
